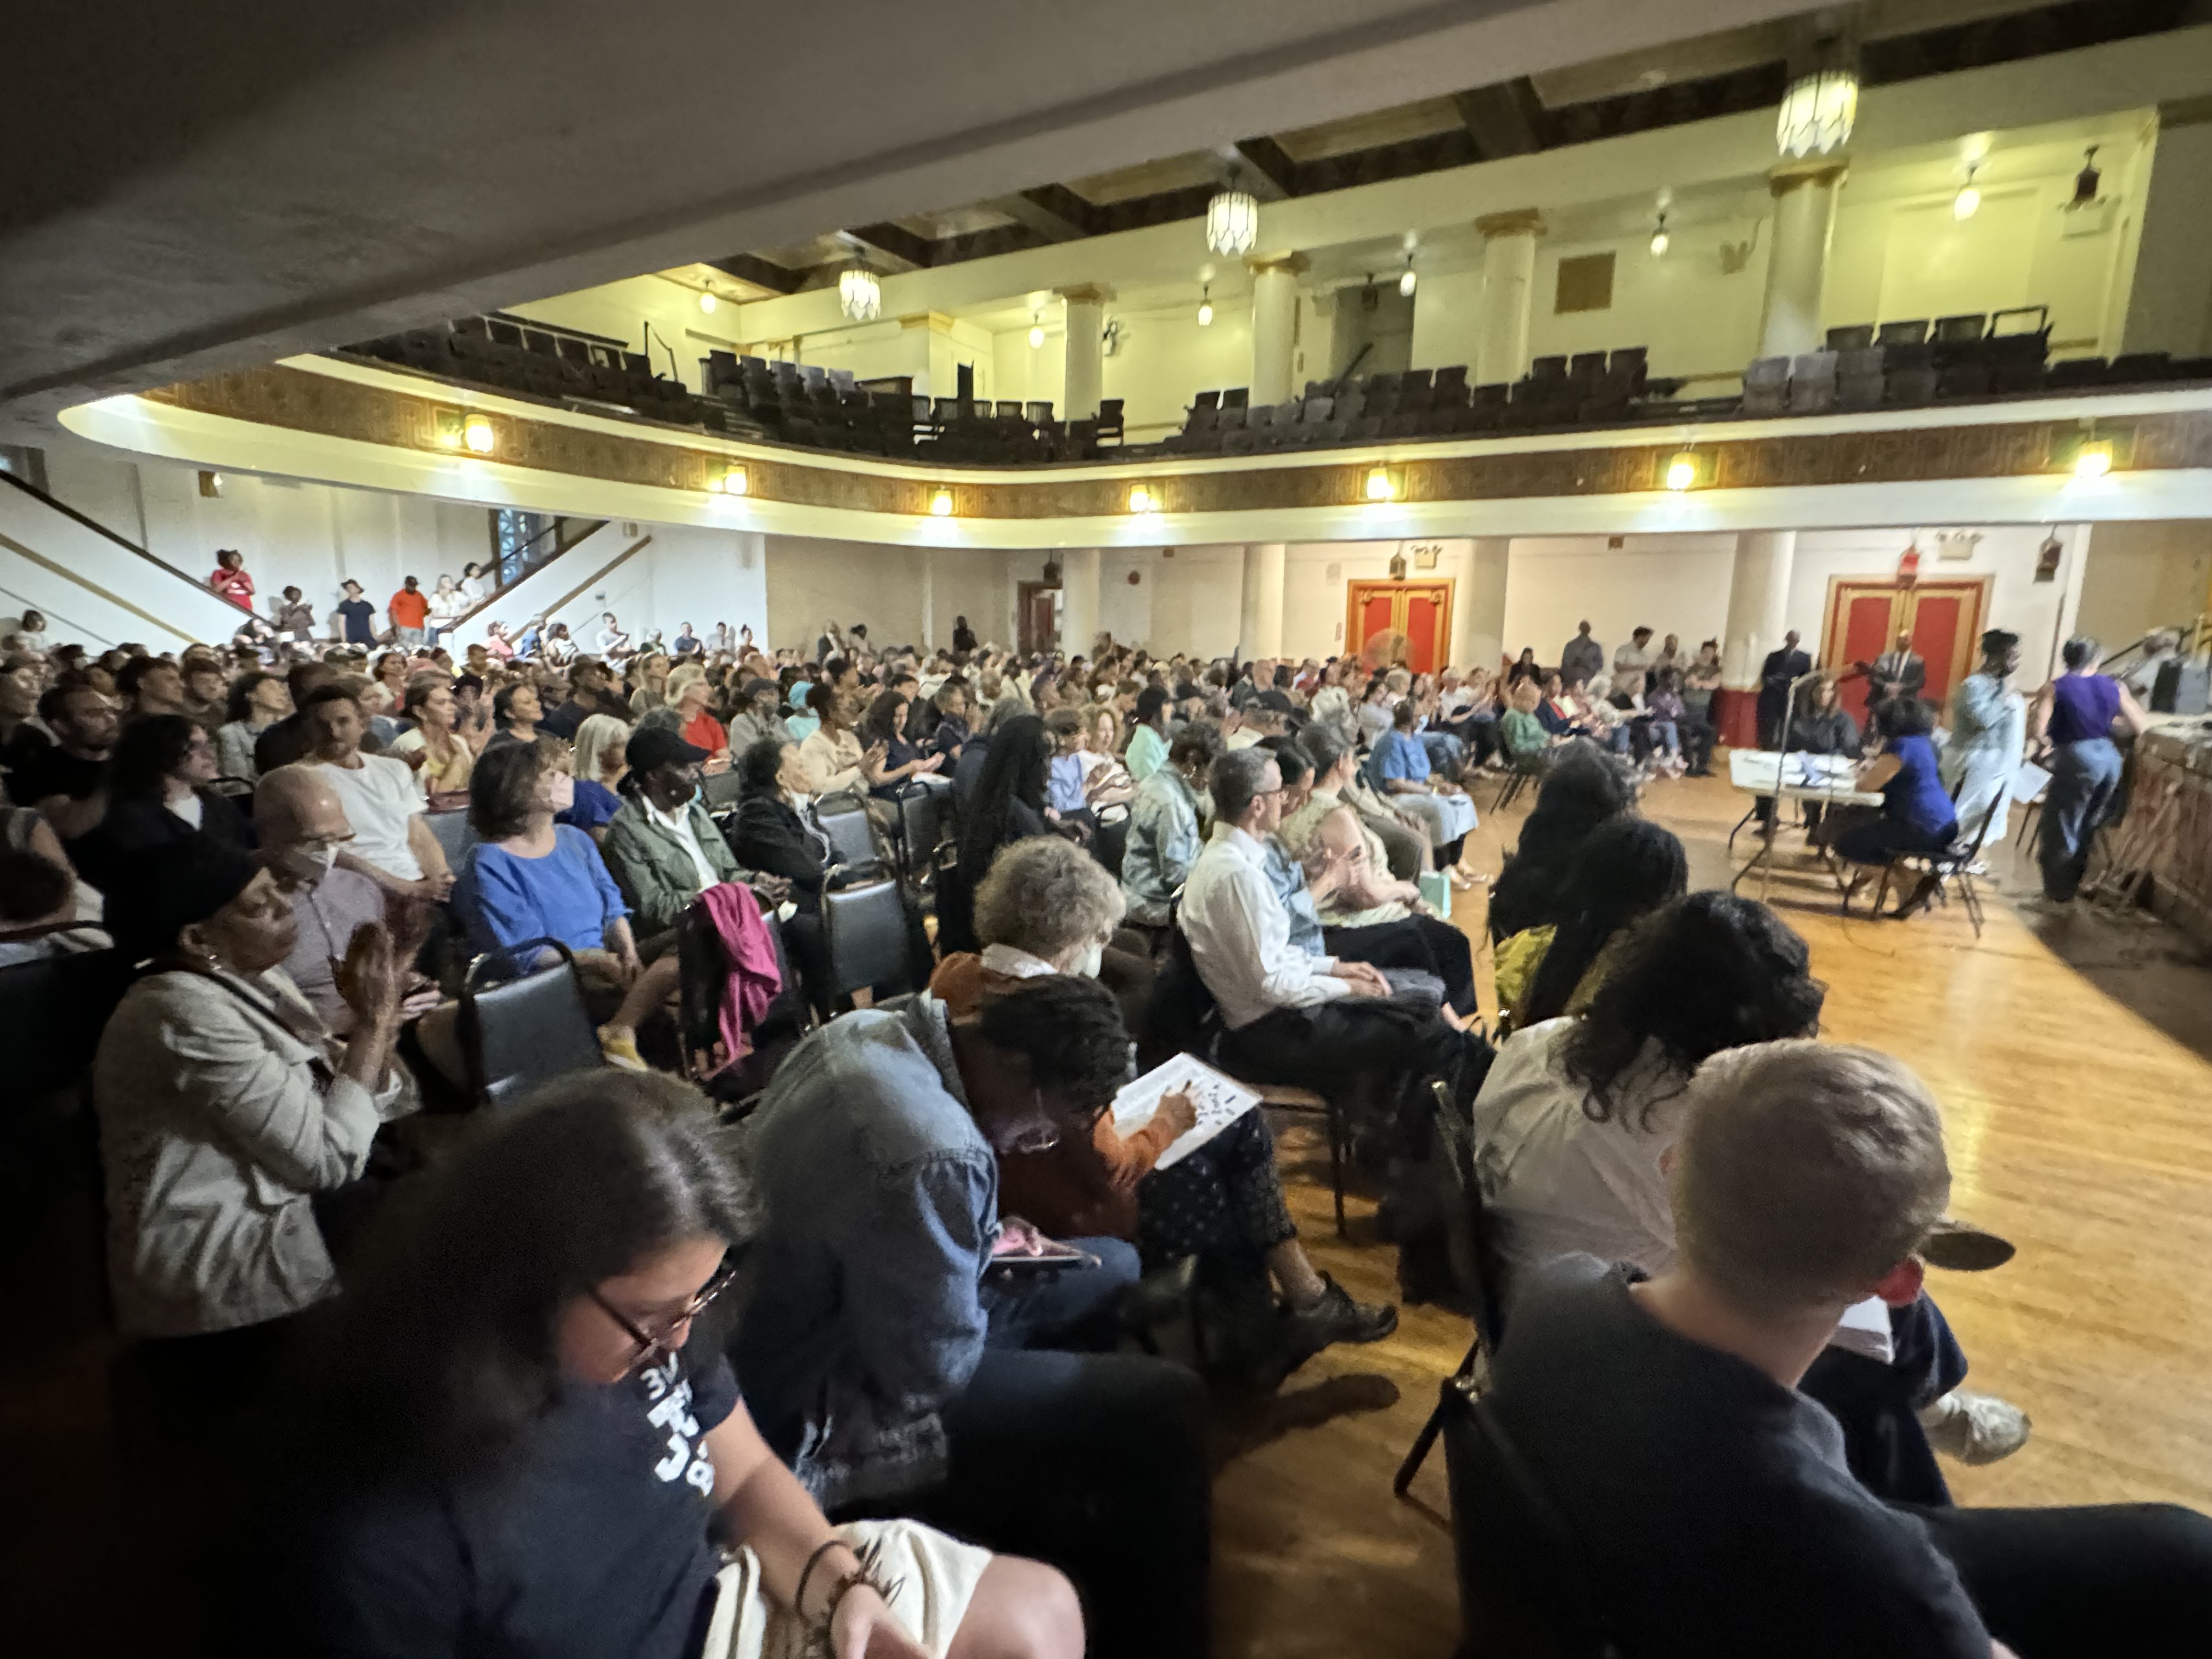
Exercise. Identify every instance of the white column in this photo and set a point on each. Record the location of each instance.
(1274, 325)
(1078, 601)
(1259, 618)
(1086, 362)
(1509, 276)
(1478, 638)
(1758, 604)
(1798, 265)
(928, 601)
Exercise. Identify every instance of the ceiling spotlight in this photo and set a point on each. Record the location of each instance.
(1407, 280)
(1141, 500)
(1232, 220)
(477, 435)
(1660, 239)
(705, 301)
(1681, 472)
(1968, 201)
(1037, 330)
(2093, 460)
(1378, 484)
(1205, 306)
(734, 482)
(859, 295)
(941, 504)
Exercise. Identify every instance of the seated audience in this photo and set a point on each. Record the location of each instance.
(150, 685)
(1627, 868)
(66, 781)
(601, 762)
(302, 827)
(662, 846)
(1009, 803)
(610, 1495)
(1573, 1128)
(1149, 743)
(234, 1130)
(1657, 1414)
(157, 793)
(1165, 836)
(753, 719)
(530, 880)
(515, 714)
(689, 694)
(880, 1349)
(832, 754)
(432, 748)
(1582, 789)
(392, 842)
(884, 728)
(590, 692)
(1047, 907)
(256, 702)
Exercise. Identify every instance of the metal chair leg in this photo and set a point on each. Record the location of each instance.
(1336, 1150)
(1418, 1453)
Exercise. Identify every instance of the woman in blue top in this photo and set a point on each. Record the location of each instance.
(1917, 815)
(2074, 714)
(1400, 767)
(531, 879)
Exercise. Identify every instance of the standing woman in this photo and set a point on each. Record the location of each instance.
(446, 605)
(257, 701)
(1988, 734)
(229, 578)
(440, 755)
(2074, 714)
(476, 586)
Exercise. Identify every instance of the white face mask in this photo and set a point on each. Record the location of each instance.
(308, 864)
(562, 790)
(1092, 959)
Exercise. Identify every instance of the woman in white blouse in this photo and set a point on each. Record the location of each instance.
(233, 1128)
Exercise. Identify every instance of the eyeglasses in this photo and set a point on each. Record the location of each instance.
(658, 1342)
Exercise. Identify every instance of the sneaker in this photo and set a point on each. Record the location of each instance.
(1975, 1428)
(619, 1048)
(1336, 1318)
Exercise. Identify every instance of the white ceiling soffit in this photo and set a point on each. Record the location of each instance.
(194, 188)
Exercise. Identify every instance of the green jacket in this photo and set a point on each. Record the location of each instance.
(655, 870)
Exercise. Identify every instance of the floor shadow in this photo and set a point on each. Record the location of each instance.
(1244, 1424)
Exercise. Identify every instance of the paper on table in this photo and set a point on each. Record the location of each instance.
(1220, 1102)
(2029, 782)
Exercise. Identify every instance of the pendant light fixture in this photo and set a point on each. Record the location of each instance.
(1408, 282)
(1968, 201)
(1822, 104)
(1037, 330)
(707, 302)
(859, 295)
(1205, 306)
(1232, 220)
(1660, 239)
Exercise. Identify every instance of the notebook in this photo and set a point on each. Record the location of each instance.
(1220, 1102)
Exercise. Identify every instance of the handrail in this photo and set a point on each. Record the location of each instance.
(122, 542)
(622, 557)
(499, 568)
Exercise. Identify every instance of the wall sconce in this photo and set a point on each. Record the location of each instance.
(478, 437)
(1683, 470)
(1379, 487)
(1036, 330)
(2093, 459)
(706, 303)
(734, 482)
(1142, 499)
(2090, 455)
(941, 504)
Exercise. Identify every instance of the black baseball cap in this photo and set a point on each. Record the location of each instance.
(659, 746)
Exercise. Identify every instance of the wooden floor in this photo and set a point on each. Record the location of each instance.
(2078, 1102)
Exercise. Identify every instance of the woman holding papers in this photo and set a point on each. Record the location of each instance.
(1047, 907)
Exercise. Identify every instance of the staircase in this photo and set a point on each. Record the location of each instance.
(95, 587)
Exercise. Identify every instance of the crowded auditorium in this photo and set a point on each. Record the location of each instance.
(1158, 832)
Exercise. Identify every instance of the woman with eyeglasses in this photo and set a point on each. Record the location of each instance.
(526, 1439)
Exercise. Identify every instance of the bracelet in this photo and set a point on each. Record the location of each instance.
(798, 1595)
(868, 1573)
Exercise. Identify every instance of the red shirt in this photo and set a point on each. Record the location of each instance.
(409, 610)
(233, 584)
(706, 733)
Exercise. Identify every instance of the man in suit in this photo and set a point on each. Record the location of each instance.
(1775, 676)
(1898, 672)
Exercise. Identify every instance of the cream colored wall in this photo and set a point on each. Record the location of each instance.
(1164, 359)
(1186, 599)
(2142, 576)
(1674, 585)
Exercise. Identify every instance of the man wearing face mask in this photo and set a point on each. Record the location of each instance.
(302, 825)
(662, 846)
(891, 1362)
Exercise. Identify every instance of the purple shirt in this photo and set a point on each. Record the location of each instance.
(2083, 707)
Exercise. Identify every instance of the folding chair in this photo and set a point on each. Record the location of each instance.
(454, 834)
(852, 837)
(867, 930)
(518, 1032)
(1952, 867)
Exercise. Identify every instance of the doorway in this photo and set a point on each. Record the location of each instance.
(1037, 617)
(1420, 612)
(1866, 613)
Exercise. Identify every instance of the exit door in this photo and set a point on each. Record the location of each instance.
(1037, 618)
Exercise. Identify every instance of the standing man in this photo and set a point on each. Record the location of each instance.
(1776, 675)
(1632, 664)
(409, 611)
(1899, 671)
(356, 618)
(1581, 657)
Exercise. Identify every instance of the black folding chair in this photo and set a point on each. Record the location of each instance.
(454, 834)
(852, 837)
(520, 1030)
(869, 937)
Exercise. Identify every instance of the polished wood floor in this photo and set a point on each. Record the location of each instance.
(2069, 1053)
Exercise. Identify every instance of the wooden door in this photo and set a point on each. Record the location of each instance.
(1419, 611)
(1865, 614)
(1037, 613)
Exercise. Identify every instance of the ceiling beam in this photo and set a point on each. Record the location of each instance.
(751, 268)
(1277, 174)
(1504, 119)
(899, 246)
(1053, 211)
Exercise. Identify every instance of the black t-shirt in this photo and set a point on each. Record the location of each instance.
(592, 1542)
(1714, 1503)
(52, 770)
(360, 621)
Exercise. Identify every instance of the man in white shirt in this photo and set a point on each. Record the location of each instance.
(392, 842)
(1293, 1016)
(1632, 664)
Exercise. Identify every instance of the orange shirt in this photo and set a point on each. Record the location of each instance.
(409, 610)
(705, 732)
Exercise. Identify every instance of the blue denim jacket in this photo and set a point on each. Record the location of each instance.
(861, 1306)
(1165, 841)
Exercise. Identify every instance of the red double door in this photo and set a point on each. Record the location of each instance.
(1400, 622)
